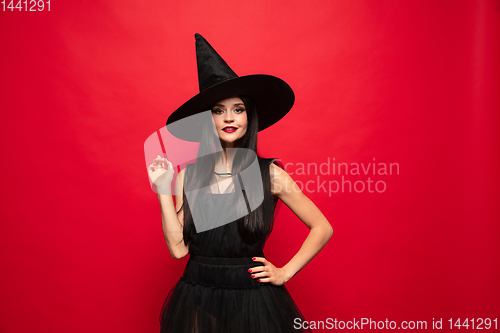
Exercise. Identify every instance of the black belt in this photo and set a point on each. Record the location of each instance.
(217, 272)
(223, 261)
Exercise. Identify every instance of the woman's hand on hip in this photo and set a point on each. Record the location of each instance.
(268, 273)
(161, 173)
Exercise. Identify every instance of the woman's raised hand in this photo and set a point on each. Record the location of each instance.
(268, 273)
(160, 175)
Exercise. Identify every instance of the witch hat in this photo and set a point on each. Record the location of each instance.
(217, 81)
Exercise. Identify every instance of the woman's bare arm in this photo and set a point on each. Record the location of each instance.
(285, 188)
(172, 222)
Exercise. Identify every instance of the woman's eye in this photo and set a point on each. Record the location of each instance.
(239, 110)
(217, 111)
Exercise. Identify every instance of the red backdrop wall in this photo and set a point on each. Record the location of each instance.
(409, 83)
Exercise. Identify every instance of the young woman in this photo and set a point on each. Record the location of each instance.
(224, 207)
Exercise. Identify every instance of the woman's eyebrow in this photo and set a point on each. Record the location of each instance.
(235, 104)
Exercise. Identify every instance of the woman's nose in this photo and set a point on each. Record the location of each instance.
(228, 117)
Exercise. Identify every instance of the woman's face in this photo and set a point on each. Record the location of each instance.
(230, 119)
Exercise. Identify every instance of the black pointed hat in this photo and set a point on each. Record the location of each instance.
(273, 97)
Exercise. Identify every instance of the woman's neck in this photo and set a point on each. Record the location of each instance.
(224, 161)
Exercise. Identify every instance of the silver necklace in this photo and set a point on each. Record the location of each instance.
(220, 174)
(227, 174)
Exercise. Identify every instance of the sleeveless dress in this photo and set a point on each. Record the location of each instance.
(216, 293)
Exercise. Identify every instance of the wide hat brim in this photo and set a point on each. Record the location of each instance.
(273, 98)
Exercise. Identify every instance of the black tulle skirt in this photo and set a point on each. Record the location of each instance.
(217, 295)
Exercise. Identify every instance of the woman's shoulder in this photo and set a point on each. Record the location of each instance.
(271, 164)
(268, 165)
(273, 167)
(278, 173)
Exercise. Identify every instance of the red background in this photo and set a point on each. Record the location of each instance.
(408, 82)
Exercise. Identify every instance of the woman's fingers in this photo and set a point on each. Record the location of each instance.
(261, 272)
(260, 259)
(160, 162)
(267, 273)
(256, 269)
(260, 275)
(154, 165)
(259, 268)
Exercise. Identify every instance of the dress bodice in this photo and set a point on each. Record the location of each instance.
(226, 241)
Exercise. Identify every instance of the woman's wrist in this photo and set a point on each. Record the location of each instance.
(288, 276)
(163, 190)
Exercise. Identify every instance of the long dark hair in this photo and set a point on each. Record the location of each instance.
(258, 224)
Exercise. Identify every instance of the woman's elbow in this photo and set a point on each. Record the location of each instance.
(179, 254)
(328, 231)
(331, 232)
(177, 250)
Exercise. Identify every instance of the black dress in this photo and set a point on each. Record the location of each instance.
(216, 293)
